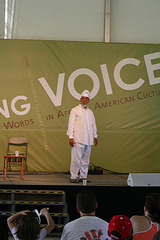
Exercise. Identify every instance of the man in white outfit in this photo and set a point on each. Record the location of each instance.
(82, 132)
(88, 226)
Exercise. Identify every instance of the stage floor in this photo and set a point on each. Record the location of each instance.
(62, 179)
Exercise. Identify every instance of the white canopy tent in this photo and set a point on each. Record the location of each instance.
(134, 21)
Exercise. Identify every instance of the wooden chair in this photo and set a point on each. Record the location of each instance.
(11, 159)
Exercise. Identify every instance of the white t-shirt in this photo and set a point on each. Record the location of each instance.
(87, 227)
(41, 236)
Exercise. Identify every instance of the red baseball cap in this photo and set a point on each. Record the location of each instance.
(121, 224)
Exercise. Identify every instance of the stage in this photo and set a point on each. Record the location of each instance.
(61, 179)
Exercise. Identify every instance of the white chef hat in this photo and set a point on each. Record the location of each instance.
(86, 93)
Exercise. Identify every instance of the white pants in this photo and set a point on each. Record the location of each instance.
(80, 156)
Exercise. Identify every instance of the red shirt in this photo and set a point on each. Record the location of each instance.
(148, 234)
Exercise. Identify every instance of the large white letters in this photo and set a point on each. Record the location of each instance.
(118, 79)
(56, 99)
(5, 112)
(106, 79)
(152, 67)
(24, 106)
(83, 71)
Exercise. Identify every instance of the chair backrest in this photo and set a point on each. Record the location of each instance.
(20, 142)
(17, 140)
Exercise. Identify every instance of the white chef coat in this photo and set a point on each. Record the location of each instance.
(82, 127)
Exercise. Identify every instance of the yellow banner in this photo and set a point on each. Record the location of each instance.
(41, 81)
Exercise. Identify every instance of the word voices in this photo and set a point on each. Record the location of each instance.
(57, 98)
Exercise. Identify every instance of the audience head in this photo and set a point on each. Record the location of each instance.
(152, 207)
(157, 236)
(28, 226)
(120, 228)
(86, 202)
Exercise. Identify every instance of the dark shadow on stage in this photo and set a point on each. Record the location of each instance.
(113, 194)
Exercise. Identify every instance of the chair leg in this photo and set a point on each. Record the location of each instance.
(25, 164)
(22, 175)
(5, 169)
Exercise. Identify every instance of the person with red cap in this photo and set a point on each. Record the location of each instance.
(82, 132)
(120, 228)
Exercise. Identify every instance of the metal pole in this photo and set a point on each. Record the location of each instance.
(107, 21)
